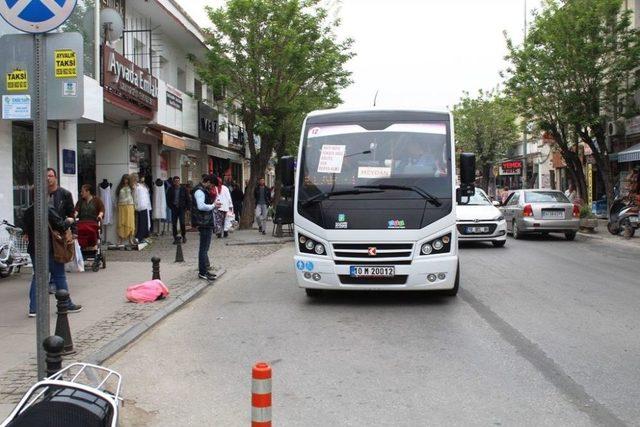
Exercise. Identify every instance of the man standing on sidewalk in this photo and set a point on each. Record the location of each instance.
(178, 202)
(202, 217)
(263, 199)
(60, 218)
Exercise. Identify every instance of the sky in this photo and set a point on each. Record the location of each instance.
(419, 53)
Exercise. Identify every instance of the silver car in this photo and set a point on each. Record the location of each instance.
(540, 211)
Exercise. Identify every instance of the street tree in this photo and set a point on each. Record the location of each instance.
(485, 125)
(267, 57)
(580, 57)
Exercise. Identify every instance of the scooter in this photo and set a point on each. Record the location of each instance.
(13, 254)
(80, 395)
(623, 216)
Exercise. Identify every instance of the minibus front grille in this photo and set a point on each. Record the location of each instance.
(388, 252)
(396, 280)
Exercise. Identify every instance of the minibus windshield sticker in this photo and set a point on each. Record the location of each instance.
(320, 131)
(374, 172)
(331, 159)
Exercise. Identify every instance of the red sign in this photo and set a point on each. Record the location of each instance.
(125, 81)
(513, 167)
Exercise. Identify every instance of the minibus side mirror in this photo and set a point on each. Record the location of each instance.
(467, 177)
(287, 170)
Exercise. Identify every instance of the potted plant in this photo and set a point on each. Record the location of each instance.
(588, 221)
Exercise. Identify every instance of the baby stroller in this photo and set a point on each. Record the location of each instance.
(80, 395)
(90, 241)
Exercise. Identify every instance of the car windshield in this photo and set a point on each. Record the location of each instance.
(545, 197)
(344, 157)
(478, 199)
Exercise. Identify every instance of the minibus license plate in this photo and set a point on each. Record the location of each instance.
(372, 271)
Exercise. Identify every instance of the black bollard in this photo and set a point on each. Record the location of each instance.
(155, 269)
(179, 255)
(62, 322)
(53, 346)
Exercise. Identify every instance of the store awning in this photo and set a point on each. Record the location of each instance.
(630, 154)
(224, 154)
(172, 141)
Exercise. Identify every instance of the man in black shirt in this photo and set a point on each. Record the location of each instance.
(178, 202)
(61, 202)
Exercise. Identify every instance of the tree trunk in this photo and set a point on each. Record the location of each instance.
(258, 167)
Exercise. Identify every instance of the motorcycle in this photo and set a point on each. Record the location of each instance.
(79, 395)
(623, 216)
(13, 253)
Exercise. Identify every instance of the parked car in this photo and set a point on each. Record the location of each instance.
(481, 221)
(541, 211)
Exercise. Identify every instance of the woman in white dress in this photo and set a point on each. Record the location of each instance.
(225, 209)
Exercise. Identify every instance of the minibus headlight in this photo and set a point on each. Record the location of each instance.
(426, 249)
(309, 244)
(319, 249)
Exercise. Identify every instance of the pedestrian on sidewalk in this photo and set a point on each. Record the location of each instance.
(202, 216)
(60, 219)
(237, 197)
(225, 208)
(262, 195)
(89, 207)
(178, 202)
(571, 193)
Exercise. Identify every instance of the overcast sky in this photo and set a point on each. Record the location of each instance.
(419, 53)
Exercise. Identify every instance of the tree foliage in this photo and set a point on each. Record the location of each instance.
(574, 73)
(485, 125)
(275, 60)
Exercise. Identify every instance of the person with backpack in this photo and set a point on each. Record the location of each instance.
(202, 217)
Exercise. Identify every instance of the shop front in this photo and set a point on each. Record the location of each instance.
(510, 174)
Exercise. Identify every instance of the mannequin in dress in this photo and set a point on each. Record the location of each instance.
(159, 205)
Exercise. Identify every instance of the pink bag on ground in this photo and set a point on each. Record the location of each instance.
(150, 291)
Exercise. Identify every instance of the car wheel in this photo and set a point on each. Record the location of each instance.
(570, 235)
(313, 293)
(514, 230)
(454, 291)
(499, 243)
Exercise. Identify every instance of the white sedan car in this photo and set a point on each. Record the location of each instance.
(481, 221)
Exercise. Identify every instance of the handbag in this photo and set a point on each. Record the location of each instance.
(63, 245)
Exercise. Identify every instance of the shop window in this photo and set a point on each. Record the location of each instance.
(87, 164)
(22, 171)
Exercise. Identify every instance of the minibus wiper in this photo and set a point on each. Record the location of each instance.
(430, 198)
(323, 196)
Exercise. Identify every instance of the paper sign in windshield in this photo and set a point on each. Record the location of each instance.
(374, 172)
(331, 159)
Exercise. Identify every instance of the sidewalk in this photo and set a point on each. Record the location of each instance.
(602, 234)
(108, 322)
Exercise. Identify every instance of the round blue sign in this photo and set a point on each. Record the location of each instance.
(36, 16)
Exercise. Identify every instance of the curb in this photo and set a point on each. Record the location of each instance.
(136, 331)
(261, 242)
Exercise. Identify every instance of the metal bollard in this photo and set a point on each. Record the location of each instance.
(155, 269)
(179, 255)
(53, 347)
(62, 321)
(261, 395)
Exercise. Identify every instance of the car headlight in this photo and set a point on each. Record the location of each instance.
(441, 245)
(307, 245)
(499, 218)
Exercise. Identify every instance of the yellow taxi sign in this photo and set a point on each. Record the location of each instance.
(17, 81)
(66, 65)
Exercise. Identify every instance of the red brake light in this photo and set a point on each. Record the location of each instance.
(576, 211)
(528, 211)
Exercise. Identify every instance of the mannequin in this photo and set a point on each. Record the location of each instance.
(159, 205)
(104, 193)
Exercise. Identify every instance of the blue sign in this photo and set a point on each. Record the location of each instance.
(69, 162)
(309, 266)
(300, 265)
(36, 16)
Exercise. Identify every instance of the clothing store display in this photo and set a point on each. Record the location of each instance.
(104, 192)
(126, 213)
(159, 201)
(143, 208)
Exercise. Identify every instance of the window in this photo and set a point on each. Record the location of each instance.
(182, 80)
(545, 197)
(209, 95)
(197, 89)
(513, 199)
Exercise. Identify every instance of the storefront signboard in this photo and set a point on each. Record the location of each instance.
(512, 167)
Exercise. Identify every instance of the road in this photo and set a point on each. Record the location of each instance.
(543, 332)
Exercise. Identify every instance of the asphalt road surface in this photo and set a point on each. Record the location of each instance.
(544, 333)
